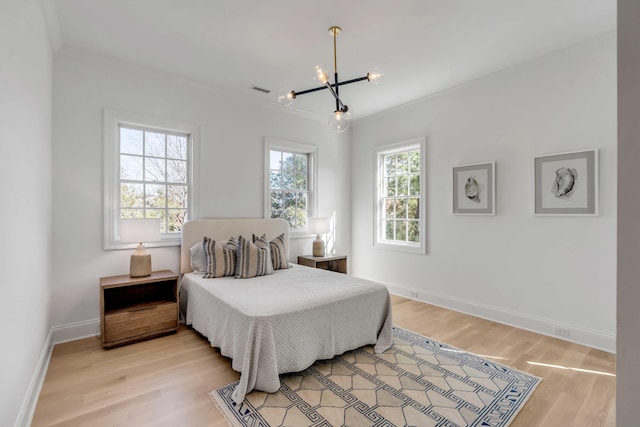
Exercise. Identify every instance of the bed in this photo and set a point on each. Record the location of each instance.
(281, 322)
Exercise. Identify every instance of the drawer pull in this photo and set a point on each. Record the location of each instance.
(143, 308)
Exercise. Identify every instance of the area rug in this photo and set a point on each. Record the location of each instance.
(417, 382)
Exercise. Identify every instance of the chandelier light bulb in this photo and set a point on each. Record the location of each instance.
(321, 75)
(286, 96)
(375, 76)
(339, 121)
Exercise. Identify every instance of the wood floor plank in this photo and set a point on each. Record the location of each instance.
(166, 381)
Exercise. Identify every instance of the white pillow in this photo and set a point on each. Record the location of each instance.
(197, 258)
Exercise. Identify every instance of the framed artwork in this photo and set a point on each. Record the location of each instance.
(474, 189)
(566, 183)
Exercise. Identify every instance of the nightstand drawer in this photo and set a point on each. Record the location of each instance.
(140, 321)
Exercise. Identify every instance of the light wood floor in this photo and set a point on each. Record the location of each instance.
(165, 381)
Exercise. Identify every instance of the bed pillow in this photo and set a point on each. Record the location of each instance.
(279, 253)
(197, 258)
(254, 258)
(220, 258)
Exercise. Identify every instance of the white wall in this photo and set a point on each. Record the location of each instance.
(231, 168)
(628, 381)
(25, 191)
(513, 267)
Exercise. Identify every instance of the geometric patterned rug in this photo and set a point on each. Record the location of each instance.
(416, 382)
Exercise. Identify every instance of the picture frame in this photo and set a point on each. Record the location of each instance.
(474, 189)
(566, 183)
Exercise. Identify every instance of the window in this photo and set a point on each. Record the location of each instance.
(400, 197)
(148, 174)
(290, 176)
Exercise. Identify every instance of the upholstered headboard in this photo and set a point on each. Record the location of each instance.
(221, 229)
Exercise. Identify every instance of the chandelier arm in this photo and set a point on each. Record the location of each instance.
(339, 105)
(315, 89)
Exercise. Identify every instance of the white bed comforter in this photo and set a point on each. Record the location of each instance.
(284, 322)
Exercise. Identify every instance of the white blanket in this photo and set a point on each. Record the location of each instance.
(286, 321)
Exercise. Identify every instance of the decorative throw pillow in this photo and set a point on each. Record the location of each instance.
(254, 258)
(279, 253)
(219, 257)
(197, 258)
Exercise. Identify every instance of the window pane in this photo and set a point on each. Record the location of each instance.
(403, 185)
(301, 181)
(389, 165)
(154, 144)
(389, 229)
(176, 147)
(414, 185)
(154, 170)
(403, 163)
(131, 195)
(274, 159)
(276, 204)
(130, 141)
(413, 232)
(389, 211)
(301, 164)
(131, 213)
(414, 161)
(289, 206)
(288, 161)
(413, 208)
(401, 208)
(177, 196)
(401, 231)
(155, 196)
(176, 219)
(301, 210)
(391, 186)
(176, 171)
(275, 179)
(131, 168)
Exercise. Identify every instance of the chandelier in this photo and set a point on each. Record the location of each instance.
(339, 120)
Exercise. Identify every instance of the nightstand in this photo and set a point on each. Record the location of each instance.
(136, 309)
(337, 263)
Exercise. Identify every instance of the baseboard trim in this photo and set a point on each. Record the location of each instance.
(579, 335)
(28, 408)
(57, 335)
(75, 331)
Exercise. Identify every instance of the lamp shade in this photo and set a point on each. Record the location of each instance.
(318, 225)
(140, 230)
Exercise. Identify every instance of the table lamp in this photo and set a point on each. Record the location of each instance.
(140, 231)
(318, 225)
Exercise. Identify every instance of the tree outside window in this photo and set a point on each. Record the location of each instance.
(154, 176)
(401, 181)
(289, 187)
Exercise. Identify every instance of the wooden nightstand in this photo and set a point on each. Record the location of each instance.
(337, 263)
(136, 309)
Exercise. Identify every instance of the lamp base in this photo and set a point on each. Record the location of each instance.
(318, 247)
(140, 265)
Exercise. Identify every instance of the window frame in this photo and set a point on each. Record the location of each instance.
(299, 148)
(113, 120)
(378, 212)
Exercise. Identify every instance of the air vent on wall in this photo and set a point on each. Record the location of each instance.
(259, 89)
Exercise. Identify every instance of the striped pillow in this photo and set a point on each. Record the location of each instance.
(254, 259)
(279, 253)
(219, 258)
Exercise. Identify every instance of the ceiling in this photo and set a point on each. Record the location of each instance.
(423, 46)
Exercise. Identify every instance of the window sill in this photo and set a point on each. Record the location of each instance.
(400, 247)
(301, 235)
(114, 246)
